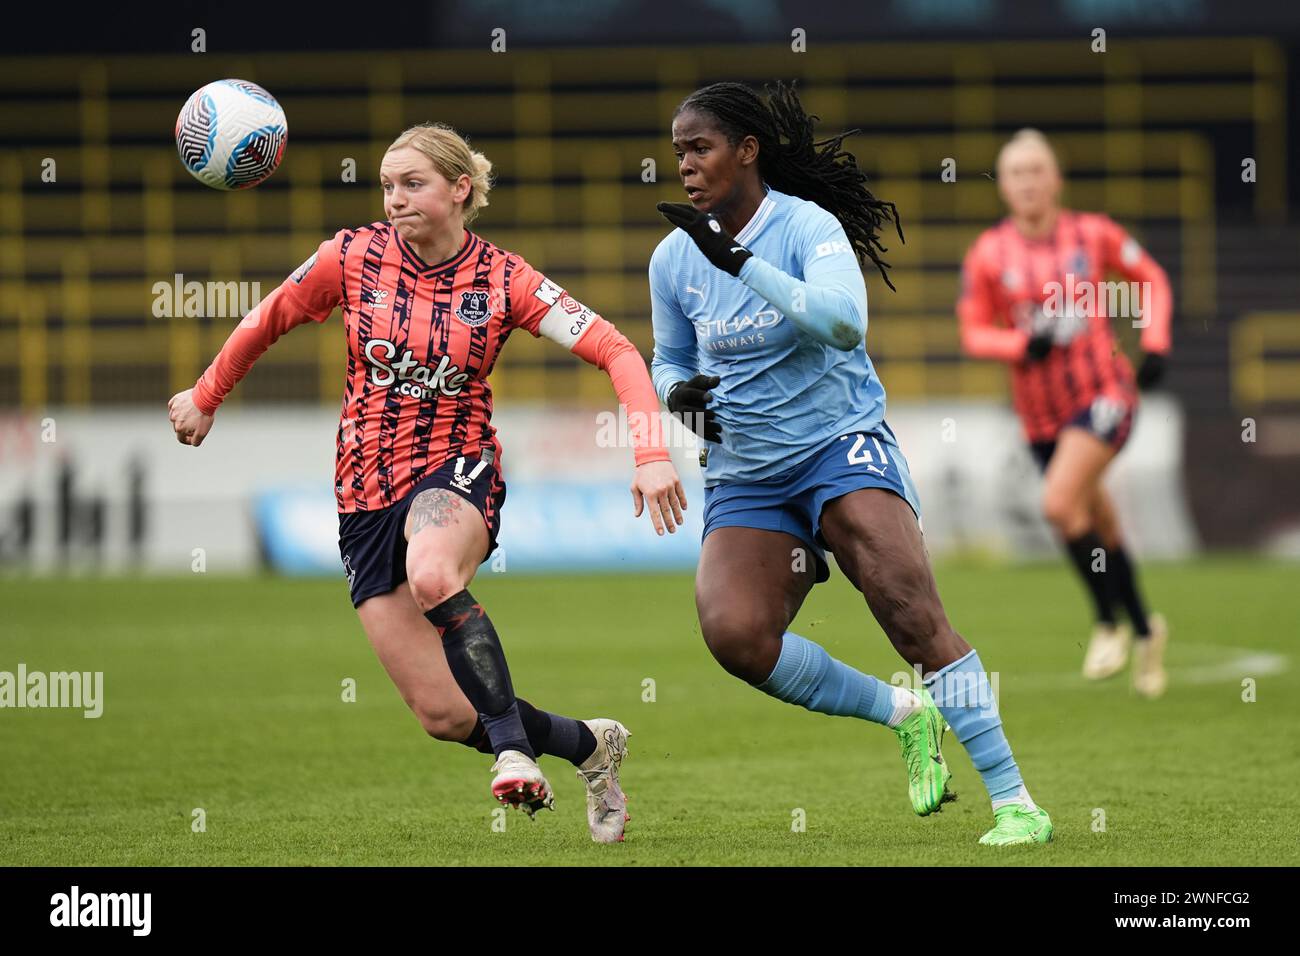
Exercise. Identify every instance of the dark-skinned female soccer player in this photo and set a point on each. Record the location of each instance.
(760, 313)
(427, 306)
(1074, 391)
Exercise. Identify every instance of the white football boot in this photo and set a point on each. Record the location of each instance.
(1149, 678)
(606, 802)
(519, 783)
(1107, 651)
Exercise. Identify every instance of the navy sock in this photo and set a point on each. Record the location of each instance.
(506, 731)
(1083, 552)
(547, 734)
(557, 735)
(478, 663)
(1123, 580)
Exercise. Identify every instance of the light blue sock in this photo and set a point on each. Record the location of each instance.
(806, 675)
(962, 694)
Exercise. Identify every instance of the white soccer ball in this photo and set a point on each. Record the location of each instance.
(231, 134)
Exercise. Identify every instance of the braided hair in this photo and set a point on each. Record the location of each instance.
(790, 161)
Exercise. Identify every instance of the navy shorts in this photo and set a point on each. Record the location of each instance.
(792, 501)
(1110, 419)
(373, 543)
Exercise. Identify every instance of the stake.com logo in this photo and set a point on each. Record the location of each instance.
(410, 376)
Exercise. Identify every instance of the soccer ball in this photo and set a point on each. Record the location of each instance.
(231, 134)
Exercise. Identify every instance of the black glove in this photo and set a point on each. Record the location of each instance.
(718, 245)
(1151, 371)
(686, 400)
(1038, 347)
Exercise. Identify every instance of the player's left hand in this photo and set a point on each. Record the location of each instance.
(718, 245)
(191, 425)
(1151, 371)
(1038, 347)
(657, 486)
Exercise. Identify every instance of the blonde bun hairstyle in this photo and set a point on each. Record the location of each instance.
(1029, 135)
(452, 158)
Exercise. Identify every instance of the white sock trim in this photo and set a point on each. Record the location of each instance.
(906, 703)
(1021, 798)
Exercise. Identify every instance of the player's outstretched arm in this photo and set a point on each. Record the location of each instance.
(829, 303)
(655, 486)
(1126, 256)
(674, 367)
(980, 336)
(543, 308)
(192, 410)
(309, 295)
(674, 358)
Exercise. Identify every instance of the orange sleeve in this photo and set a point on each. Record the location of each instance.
(608, 349)
(545, 309)
(309, 295)
(981, 336)
(1126, 256)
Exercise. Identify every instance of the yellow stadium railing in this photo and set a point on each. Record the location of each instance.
(1260, 377)
(572, 199)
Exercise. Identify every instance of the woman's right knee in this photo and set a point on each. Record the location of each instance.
(1063, 511)
(747, 644)
(432, 583)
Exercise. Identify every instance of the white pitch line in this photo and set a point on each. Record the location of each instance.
(1246, 662)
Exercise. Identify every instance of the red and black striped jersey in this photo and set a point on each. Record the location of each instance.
(421, 342)
(1008, 285)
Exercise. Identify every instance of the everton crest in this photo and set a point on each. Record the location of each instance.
(1079, 264)
(473, 308)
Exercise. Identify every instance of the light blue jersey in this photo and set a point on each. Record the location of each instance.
(786, 338)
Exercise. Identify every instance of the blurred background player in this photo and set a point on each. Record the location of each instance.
(1033, 296)
(759, 312)
(427, 307)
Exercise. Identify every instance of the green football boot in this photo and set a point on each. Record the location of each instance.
(920, 737)
(1014, 825)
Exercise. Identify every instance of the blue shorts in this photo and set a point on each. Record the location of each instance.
(373, 543)
(793, 500)
(1108, 418)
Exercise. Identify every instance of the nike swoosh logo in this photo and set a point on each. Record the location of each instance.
(737, 248)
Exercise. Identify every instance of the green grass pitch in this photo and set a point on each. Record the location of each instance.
(226, 694)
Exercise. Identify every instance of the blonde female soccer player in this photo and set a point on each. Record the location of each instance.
(1074, 391)
(427, 307)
